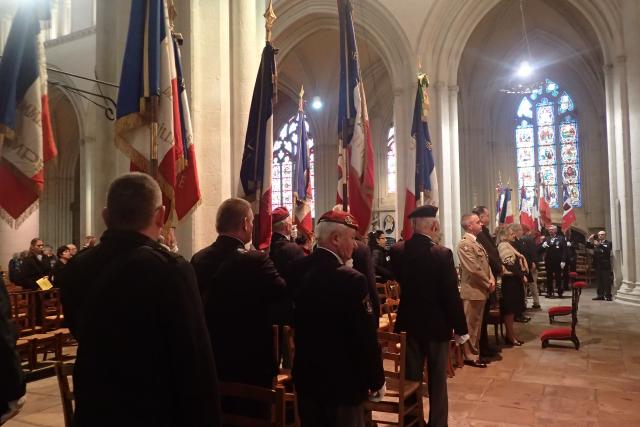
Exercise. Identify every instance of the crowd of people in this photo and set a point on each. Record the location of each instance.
(156, 333)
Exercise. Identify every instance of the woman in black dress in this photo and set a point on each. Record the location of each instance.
(513, 280)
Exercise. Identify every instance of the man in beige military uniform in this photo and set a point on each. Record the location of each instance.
(476, 283)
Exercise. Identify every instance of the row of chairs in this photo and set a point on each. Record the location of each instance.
(38, 318)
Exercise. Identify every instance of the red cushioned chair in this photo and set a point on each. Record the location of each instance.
(566, 334)
(562, 310)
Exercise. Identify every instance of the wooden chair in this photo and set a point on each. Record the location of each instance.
(562, 310)
(566, 334)
(272, 397)
(403, 397)
(51, 307)
(497, 320)
(63, 372)
(387, 318)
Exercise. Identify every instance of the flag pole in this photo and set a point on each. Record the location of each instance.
(345, 149)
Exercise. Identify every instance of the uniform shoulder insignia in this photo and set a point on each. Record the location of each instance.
(366, 303)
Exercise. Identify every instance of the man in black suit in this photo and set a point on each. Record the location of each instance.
(35, 265)
(283, 250)
(495, 264)
(333, 311)
(430, 309)
(144, 357)
(555, 255)
(602, 264)
(239, 289)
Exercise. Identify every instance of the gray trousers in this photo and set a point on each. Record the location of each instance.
(314, 413)
(436, 353)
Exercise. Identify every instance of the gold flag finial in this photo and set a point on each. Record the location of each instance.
(270, 17)
(172, 14)
(301, 100)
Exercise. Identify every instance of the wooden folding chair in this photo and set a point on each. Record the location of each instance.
(272, 397)
(51, 307)
(403, 397)
(63, 372)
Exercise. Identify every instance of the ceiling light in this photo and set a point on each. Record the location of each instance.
(525, 69)
(316, 103)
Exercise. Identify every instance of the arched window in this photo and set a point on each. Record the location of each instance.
(391, 161)
(284, 149)
(547, 144)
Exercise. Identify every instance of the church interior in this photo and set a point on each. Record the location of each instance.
(567, 121)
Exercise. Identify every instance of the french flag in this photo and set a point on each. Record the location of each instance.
(26, 137)
(505, 211)
(302, 192)
(353, 126)
(149, 73)
(187, 192)
(568, 214)
(421, 172)
(255, 171)
(526, 217)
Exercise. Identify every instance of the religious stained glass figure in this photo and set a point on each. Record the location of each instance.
(547, 143)
(284, 149)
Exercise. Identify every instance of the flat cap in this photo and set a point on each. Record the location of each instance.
(279, 214)
(344, 218)
(426, 211)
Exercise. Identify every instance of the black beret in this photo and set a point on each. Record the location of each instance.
(426, 211)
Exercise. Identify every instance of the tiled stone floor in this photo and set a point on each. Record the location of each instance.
(599, 385)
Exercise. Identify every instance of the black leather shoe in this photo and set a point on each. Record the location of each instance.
(536, 306)
(598, 299)
(475, 363)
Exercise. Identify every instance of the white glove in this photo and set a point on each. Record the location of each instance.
(562, 264)
(545, 245)
(349, 263)
(377, 396)
(568, 244)
(461, 339)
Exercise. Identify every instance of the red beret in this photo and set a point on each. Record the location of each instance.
(279, 214)
(344, 218)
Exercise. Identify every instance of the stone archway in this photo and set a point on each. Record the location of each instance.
(59, 203)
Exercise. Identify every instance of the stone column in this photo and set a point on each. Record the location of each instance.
(245, 58)
(454, 147)
(628, 291)
(402, 120)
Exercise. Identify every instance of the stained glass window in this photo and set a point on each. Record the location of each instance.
(391, 161)
(285, 147)
(547, 142)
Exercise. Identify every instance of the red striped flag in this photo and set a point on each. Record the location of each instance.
(26, 137)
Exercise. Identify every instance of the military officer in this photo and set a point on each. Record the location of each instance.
(602, 263)
(283, 251)
(430, 309)
(476, 283)
(240, 288)
(555, 256)
(332, 311)
(144, 357)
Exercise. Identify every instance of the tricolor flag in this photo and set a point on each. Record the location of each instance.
(421, 172)
(302, 192)
(505, 212)
(187, 183)
(255, 171)
(526, 216)
(544, 210)
(148, 73)
(353, 125)
(568, 215)
(26, 137)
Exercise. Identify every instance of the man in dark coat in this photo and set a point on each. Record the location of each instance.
(283, 251)
(240, 288)
(333, 311)
(12, 386)
(35, 265)
(525, 244)
(495, 264)
(555, 255)
(144, 356)
(430, 310)
(602, 264)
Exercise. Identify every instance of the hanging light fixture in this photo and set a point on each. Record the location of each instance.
(523, 82)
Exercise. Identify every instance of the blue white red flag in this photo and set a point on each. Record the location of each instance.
(353, 126)
(256, 168)
(302, 191)
(26, 137)
(187, 189)
(568, 214)
(149, 70)
(505, 213)
(526, 215)
(421, 175)
(544, 210)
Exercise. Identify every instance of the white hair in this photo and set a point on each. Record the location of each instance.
(324, 230)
